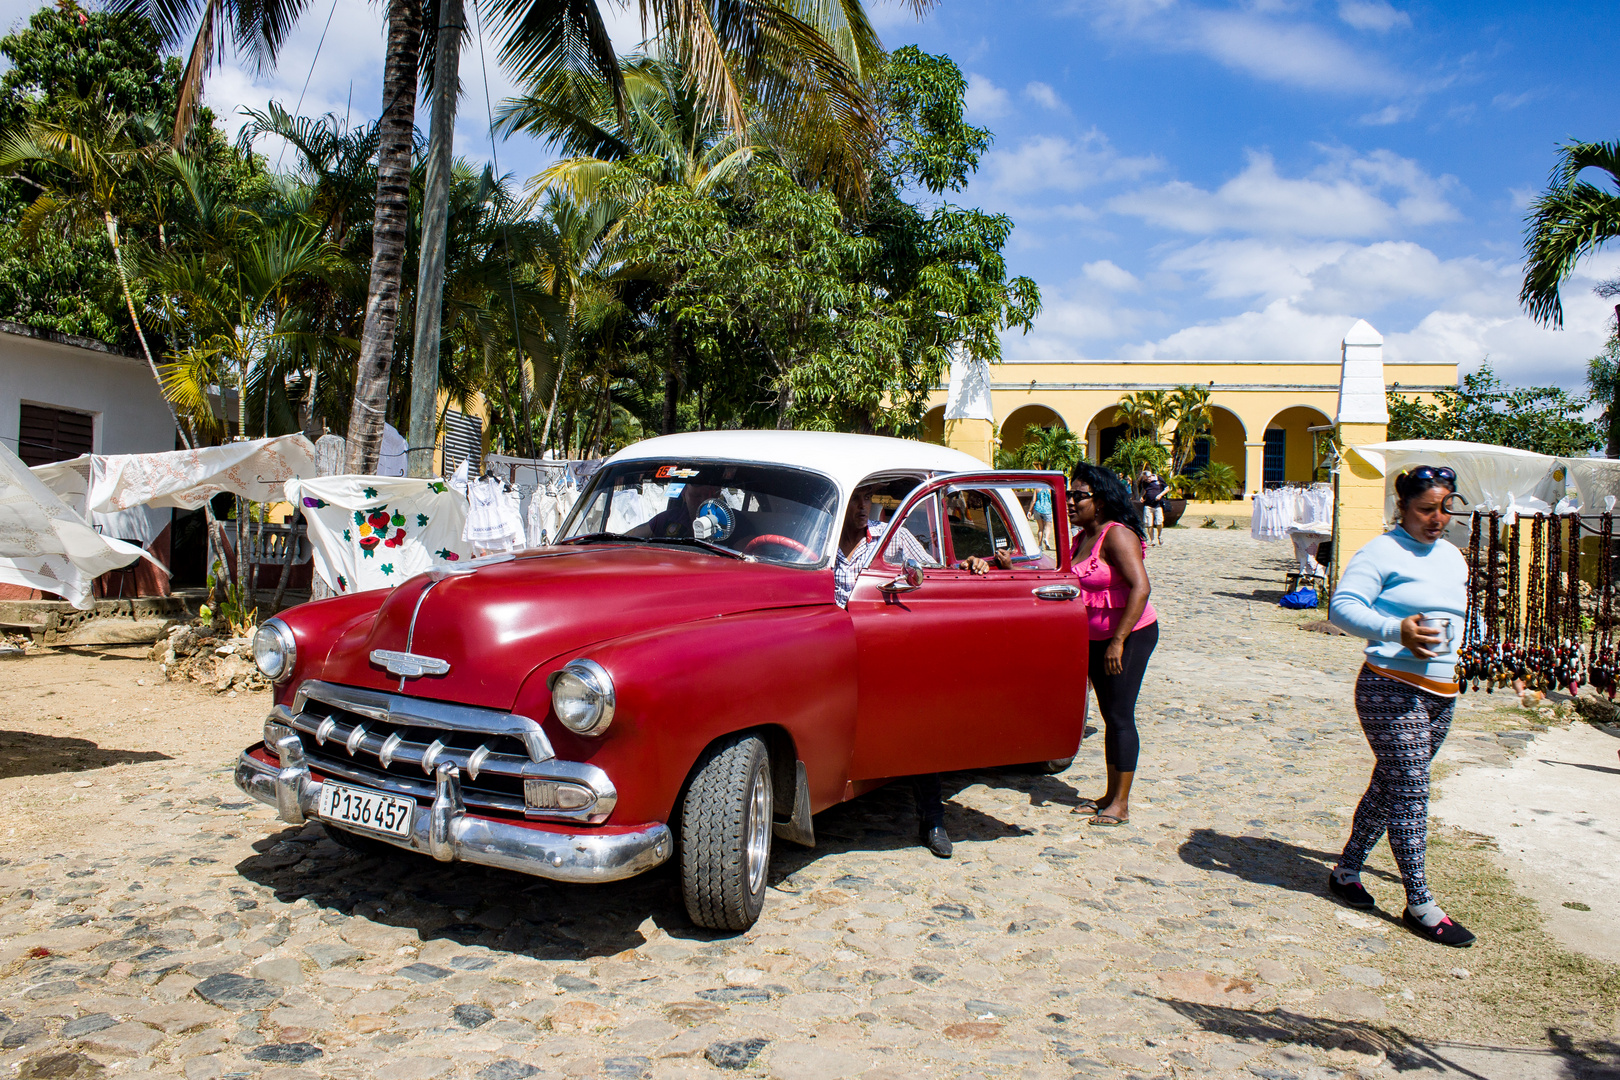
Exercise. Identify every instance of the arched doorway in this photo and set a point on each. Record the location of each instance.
(1016, 427)
(1223, 444)
(933, 425)
(1103, 434)
(1290, 447)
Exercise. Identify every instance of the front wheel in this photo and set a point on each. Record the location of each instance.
(726, 835)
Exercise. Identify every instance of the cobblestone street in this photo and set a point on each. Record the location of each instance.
(153, 919)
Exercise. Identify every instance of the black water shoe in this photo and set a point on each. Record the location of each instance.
(1351, 893)
(1446, 931)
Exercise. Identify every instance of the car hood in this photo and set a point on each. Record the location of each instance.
(497, 624)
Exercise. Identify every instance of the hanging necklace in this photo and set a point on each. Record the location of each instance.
(1493, 605)
(1469, 665)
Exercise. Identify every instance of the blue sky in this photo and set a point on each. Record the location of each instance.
(1200, 180)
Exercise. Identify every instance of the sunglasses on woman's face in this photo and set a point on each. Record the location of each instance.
(1080, 496)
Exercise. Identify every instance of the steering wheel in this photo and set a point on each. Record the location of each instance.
(772, 538)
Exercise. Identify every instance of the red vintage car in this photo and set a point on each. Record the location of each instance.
(674, 677)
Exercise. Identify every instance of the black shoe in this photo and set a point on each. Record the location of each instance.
(1447, 932)
(936, 839)
(1353, 893)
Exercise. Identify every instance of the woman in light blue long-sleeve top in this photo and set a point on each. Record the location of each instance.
(1407, 688)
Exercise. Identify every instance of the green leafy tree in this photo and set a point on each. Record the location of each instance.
(65, 53)
(1134, 454)
(1054, 447)
(1542, 419)
(1602, 387)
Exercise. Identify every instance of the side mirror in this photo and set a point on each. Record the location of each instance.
(909, 578)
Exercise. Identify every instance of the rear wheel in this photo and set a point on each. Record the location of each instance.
(726, 835)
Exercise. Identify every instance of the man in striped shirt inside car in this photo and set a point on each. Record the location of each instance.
(857, 547)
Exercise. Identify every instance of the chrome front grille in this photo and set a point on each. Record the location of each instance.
(394, 743)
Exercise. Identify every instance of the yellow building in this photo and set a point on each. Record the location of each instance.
(1263, 409)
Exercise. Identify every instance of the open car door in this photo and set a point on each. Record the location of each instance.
(958, 670)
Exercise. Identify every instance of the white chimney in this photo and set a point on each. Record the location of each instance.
(1361, 377)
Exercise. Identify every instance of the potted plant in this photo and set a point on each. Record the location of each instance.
(1175, 501)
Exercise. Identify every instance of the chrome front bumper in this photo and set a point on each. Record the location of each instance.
(445, 831)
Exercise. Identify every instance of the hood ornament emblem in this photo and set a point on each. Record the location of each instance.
(409, 665)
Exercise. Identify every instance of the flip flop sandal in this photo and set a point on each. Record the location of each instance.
(1108, 821)
(1086, 806)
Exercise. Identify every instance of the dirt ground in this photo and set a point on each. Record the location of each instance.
(80, 727)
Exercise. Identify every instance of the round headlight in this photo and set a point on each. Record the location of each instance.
(582, 697)
(274, 650)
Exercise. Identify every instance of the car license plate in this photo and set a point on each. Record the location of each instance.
(364, 809)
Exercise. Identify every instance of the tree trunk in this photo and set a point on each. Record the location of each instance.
(562, 365)
(243, 572)
(395, 131)
(435, 237)
(135, 321)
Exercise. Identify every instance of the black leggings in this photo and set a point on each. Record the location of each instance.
(1116, 694)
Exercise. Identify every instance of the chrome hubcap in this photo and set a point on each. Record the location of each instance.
(759, 828)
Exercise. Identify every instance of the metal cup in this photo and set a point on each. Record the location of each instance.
(1441, 623)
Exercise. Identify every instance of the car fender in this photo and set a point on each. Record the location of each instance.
(678, 689)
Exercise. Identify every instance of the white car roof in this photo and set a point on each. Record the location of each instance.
(848, 459)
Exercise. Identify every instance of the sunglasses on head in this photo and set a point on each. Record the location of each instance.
(1429, 472)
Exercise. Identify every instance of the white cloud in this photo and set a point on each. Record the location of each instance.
(1262, 43)
(1056, 163)
(1346, 197)
(1376, 15)
(1459, 311)
(985, 100)
(1045, 96)
(1513, 101)
(1104, 274)
(1389, 114)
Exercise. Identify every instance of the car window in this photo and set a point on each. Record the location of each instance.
(768, 512)
(984, 520)
(923, 525)
(978, 524)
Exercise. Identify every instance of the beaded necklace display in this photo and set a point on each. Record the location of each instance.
(1492, 646)
(1535, 604)
(1567, 670)
(1601, 668)
(1470, 661)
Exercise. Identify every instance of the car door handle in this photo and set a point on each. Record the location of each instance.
(1057, 592)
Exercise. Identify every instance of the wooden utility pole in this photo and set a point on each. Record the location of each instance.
(422, 436)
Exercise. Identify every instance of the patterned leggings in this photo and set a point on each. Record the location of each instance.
(1405, 727)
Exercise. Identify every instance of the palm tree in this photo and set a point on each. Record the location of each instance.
(661, 116)
(256, 28)
(88, 162)
(1571, 219)
(1054, 447)
(1194, 418)
(239, 303)
(391, 214)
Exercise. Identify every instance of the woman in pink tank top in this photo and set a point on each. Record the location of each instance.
(1107, 558)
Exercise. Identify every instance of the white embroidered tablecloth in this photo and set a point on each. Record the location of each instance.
(373, 532)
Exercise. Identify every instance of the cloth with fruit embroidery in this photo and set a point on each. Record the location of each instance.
(373, 532)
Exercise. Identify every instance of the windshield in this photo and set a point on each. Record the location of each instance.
(768, 512)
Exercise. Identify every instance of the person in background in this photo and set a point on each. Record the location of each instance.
(1041, 511)
(1124, 627)
(1406, 691)
(1152, 489)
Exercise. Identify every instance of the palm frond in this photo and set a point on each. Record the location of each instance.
(1564, 225)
